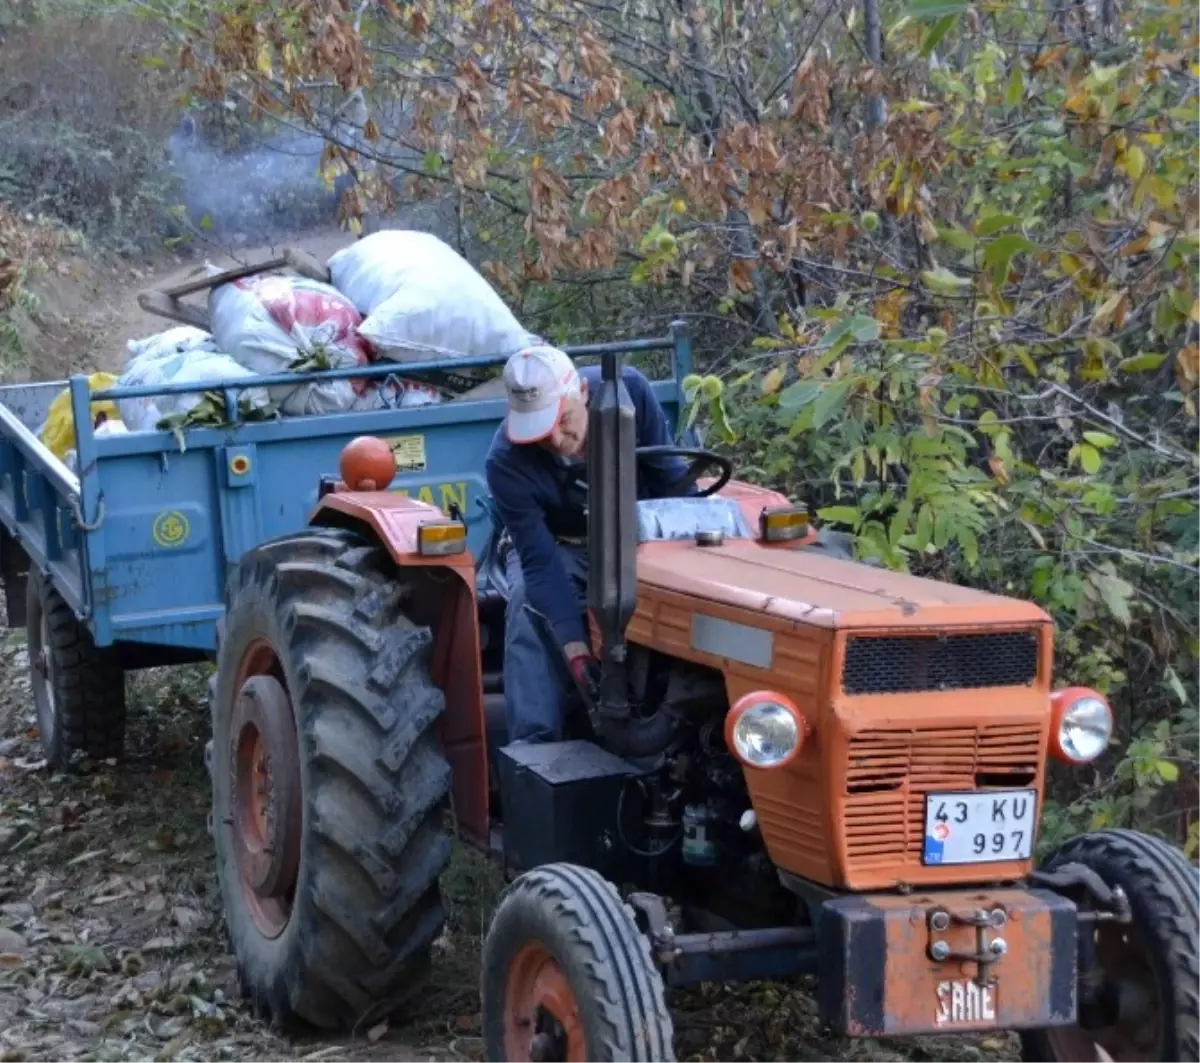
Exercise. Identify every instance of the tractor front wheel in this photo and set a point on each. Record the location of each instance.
(1143, 1001)
(328, 782)
(567, 975)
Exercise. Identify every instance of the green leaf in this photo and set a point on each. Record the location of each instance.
(1099, 439)
(936, 9)
(1176, 685)
(924, 527)
(840, 515)
(957, 238)
(1089, 458)
(1167, 770)
(720, 418)
(860, 327)
(1143, 362)
(937, 31)
(942, 280)
(993, 223)
(832, 398)
(1116, 594)
(1015, 92)
(799, 394)
(865, 328)
(1000, 252)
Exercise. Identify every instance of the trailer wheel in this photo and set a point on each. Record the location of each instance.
(78, 688)
(567, 975)
(328, 782)
(1149, 1006)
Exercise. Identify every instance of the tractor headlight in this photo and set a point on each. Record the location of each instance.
(1081, 723)
(764, 730)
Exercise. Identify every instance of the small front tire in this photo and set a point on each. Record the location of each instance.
(1149, 965)
(567, 975)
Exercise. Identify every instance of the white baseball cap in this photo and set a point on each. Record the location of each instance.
(539, 380)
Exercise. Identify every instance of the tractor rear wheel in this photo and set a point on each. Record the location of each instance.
(1148, 1006)
(78, 688)
(328, 782)
(567, 975)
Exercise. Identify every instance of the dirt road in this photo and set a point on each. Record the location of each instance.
(87, 307)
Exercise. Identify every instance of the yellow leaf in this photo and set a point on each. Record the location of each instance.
(772, 380)
(1194, 313)
(1187, 366)
(1133, 162)
(999, 471)
(1107, 312)
(262, 61)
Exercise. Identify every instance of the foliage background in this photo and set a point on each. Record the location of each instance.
(940, 259)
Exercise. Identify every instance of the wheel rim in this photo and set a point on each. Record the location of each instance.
(265, 802)
(42, 661)
(541, 1015)
(1130, 996)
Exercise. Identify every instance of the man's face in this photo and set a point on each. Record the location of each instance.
(568, 439)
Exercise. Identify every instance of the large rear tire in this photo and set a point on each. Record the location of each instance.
(1151, 1005)
(78, 688)
(567, 975)
(328, 782)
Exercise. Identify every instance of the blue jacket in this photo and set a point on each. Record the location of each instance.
(541, 498)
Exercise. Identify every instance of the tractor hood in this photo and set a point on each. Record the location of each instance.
(811, 587)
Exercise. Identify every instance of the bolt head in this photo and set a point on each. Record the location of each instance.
(939, 950)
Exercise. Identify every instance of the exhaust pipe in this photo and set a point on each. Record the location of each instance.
(612, 562)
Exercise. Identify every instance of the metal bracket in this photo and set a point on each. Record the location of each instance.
(658, 924)
(1111, 901)
(987, 951)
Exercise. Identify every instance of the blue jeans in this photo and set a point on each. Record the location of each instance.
(535, 686)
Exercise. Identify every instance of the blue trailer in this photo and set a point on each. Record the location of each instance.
(124, 565)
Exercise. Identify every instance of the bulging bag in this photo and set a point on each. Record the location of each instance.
(423, 300)
(277, 324)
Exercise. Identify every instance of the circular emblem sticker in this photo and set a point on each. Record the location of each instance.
(171, 528)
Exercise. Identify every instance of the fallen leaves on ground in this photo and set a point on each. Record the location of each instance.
(112, 941)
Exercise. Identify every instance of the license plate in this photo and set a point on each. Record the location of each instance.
(979, 827)
(962, 1002)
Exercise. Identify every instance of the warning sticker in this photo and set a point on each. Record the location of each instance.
(409, 452)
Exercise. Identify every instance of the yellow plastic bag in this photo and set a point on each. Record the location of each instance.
(58, 432)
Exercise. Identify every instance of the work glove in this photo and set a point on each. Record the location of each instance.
(585, 670)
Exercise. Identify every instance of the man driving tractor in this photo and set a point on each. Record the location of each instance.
(536, 473)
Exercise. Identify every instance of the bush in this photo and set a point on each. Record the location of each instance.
(85, 113)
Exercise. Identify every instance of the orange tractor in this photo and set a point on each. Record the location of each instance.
(793, 763)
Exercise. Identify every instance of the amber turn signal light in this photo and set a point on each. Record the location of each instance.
(779, 524)
(441, 538)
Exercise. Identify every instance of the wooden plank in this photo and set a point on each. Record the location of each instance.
(306, 265)
(162, 305)
(211, 280)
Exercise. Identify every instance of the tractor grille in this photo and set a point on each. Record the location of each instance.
(888, 774)
(901, 665)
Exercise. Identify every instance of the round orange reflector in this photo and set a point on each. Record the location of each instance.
(367, 464)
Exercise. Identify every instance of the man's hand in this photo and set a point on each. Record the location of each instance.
(584, 668)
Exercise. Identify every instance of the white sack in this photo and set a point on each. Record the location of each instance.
(423, 300)
(191, 367)
(271, 324)
(173, 341)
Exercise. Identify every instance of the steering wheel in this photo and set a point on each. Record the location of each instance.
(700, 460)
